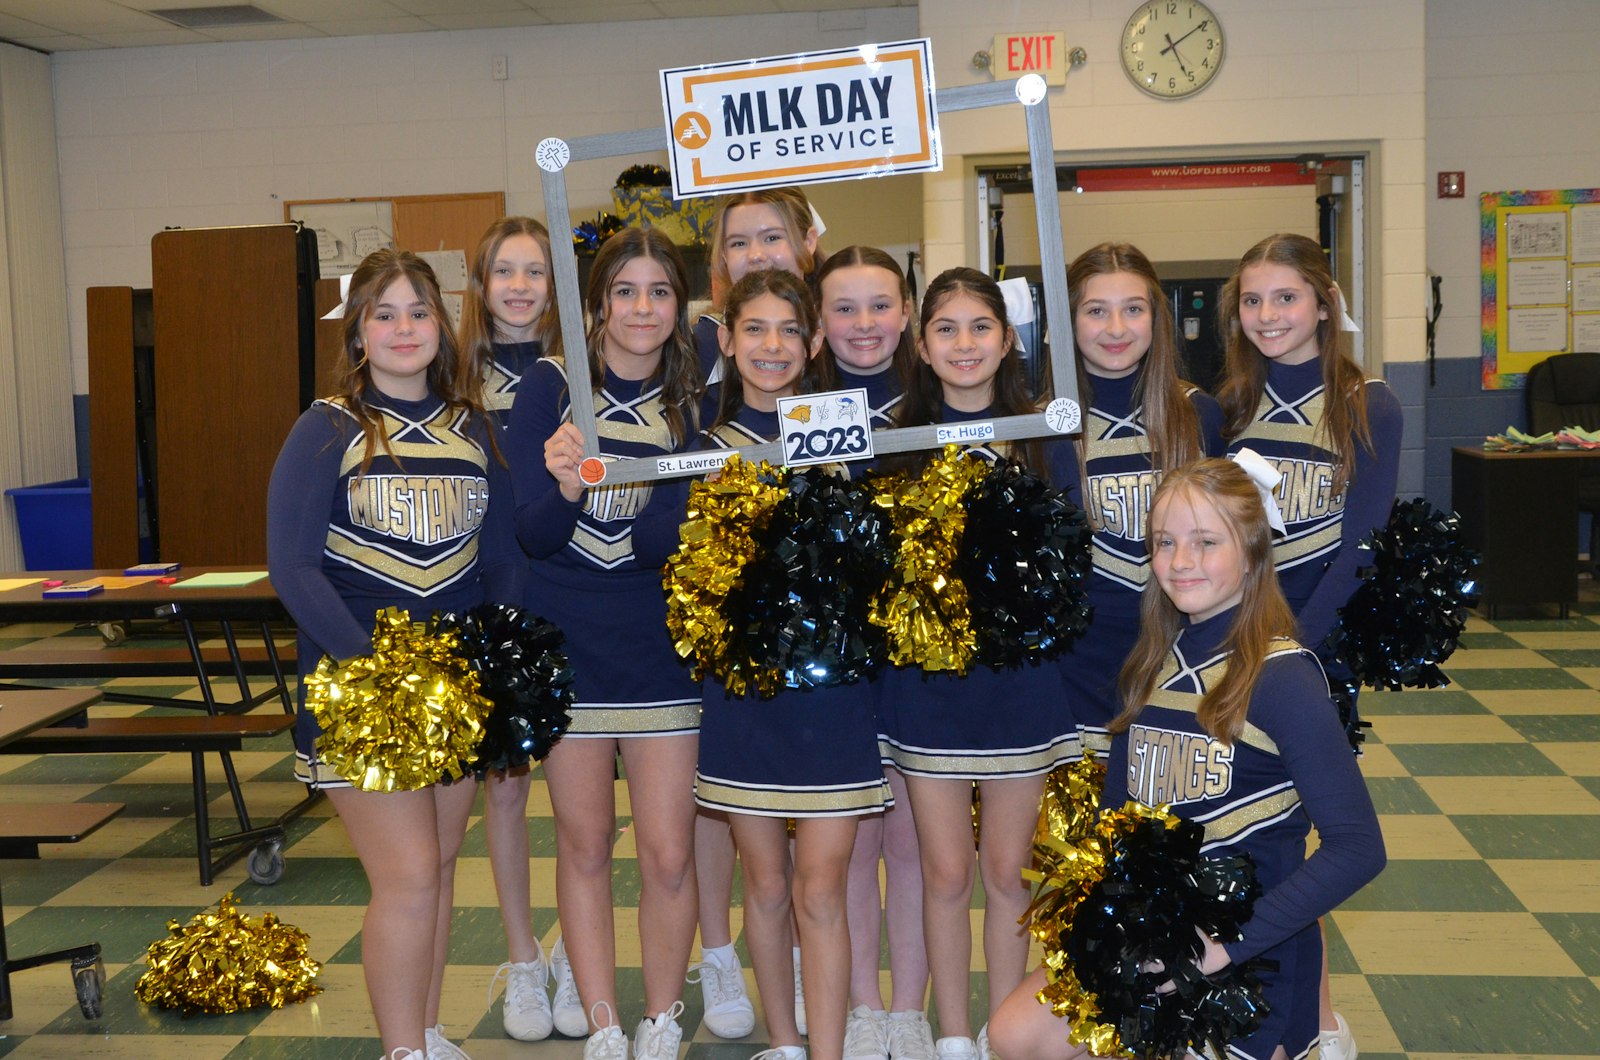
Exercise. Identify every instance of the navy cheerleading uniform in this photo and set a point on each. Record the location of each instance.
(585, 576)
(802, 753)
(987, 724)
(427, 528)
(1317, 558)
(509, 362)
(883, 392)
(1288, 771)
(1120, 481)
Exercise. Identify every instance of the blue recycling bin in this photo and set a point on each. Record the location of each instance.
(54, 523)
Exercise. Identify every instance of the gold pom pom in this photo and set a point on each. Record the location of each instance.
(923, 607)
(404, 717)
(716, 541)
(226, 962)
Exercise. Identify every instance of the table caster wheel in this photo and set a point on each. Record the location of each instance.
(113, 632)
(266, 863)
(89, 982)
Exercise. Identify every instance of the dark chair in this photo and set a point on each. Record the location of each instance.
(1564, 391)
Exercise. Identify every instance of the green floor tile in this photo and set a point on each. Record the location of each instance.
(1473, 760)
(478, 937)
(1387, 704)
(1558, 728)
(79, 769)
(36, 882)
(1504, 836)
(1435, 886)
(1486, 1015)
(1521, 678)
(1592, 783)
(1399, 795)
(310, 881)
(1570, 657)
(1578, 934)
(1340, 960)
(165, 800)
(126, 1014)
(124, 934)
(264, 1047)
(1574, 624)
(541, 839)
(179, 840)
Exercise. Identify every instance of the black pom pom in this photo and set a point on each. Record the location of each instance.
(524, 673)
(1406, 617)
(1136, 930)
(801, 607)
(1025, 562)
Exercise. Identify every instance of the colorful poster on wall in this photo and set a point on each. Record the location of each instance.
(1540, 279)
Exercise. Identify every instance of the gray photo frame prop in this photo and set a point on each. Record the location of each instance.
(1063, 414)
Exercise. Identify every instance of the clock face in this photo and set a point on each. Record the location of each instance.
(1172, 48)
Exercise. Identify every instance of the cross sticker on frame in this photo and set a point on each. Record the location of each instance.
(850, 113)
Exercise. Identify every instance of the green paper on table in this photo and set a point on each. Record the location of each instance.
(221, 579)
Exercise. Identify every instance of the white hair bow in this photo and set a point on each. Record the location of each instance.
(1266, 479)
(1019, 305)
(337, 312)
(816, 222)
(1346, 321)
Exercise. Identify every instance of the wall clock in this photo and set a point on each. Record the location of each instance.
(1172, 49)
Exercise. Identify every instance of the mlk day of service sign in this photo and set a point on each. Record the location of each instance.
(798, 119)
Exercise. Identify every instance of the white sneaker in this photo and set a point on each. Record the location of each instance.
(439, 1047)
(525, 1007)
(910, 1037)
(568, 1009)
(659, 1038)
(402, 1053)
(728, 1012)
(984, 1052)
(1338, 1044)
(607, 1043)
(956, 1048)
(782, 1052)
(799, 996)
(866, 1034)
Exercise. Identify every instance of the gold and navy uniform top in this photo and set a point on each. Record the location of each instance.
(502, 376)
(1317, 557)
(426, 528)
(1261, 792)
(596, 533)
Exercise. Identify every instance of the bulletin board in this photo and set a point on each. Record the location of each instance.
(1539, 279)
(444, 229)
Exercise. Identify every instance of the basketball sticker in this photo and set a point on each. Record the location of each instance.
(592, 471)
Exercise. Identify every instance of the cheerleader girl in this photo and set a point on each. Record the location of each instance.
(1295, 394)
(1142, 422)
(634, 697)
(866, 319)
(771, 228)
(508, 319)
(810, 756)
(1004, 730)
(1216, 665)
(408, 409)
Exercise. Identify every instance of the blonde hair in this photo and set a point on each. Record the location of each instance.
(794, 210)
(1344, 415)
(1261, 617)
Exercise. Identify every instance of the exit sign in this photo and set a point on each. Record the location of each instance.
(1016, 54)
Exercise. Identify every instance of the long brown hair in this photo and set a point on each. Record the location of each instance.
(478, 325)
(792, 290)
(679, 374)
(794, 209)
(1262, 617)
(1344, 392)
(1168, 417)
(924, 400)
(450, 377)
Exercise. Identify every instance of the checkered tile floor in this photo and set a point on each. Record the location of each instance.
(1482, 938)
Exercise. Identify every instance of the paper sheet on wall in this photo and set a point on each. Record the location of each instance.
(1586, 233)
(1586, 332)
(1536, 235)
(450, 266)
(452, 306)
(1537, 330)
(1536, 283)
(1586, 289)
(347, 231)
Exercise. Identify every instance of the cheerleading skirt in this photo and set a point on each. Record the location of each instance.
(1292, 1019)
(987, 725)
(308, 767)
(800, 754)
(1090, 669)
(627, 678)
